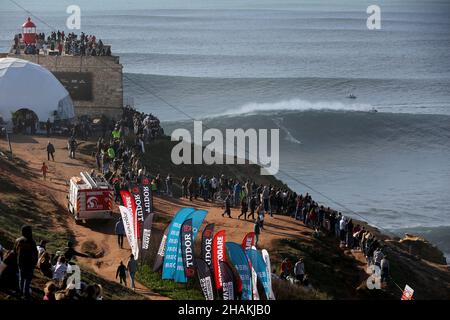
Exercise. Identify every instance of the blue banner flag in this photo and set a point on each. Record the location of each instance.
(173, 243)
(258, 263)
(197, 219)
(240, 261)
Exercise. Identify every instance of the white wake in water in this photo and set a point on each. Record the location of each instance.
(296, 105)
(288, 136)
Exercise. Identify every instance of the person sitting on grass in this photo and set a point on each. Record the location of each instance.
(61, 269)
(49, 291)
(45, 265)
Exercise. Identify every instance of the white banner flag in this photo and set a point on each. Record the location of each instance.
(255, 282)
(266, 258)
(127, 218)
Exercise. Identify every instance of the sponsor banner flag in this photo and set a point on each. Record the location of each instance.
(248, 241)
(266, 258)
(127, 218)
(187, 247)
(162, 248)
(197, 219)
(227, 281)
(407, 293)
(218, 255)
(147, 233)
(147, 196)
(254, 283)
(128, 202)
(172, 244)
(207, 238)
(239, 260)
(205, 278)
(260, 268)
(136, 194)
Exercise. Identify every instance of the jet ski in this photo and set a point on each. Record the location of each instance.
(373, 110)
(351, 96)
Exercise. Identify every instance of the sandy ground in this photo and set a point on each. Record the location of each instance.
(33, 151)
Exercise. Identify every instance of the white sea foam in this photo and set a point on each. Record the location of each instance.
(288, 136)
(295, 105)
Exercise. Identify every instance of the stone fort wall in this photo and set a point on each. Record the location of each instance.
(105, 73)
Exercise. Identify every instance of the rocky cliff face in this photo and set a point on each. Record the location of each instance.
(423, 249)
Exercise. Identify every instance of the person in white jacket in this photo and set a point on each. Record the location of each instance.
(299, 270)
(61, 269)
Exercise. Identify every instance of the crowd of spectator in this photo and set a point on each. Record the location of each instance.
(19, 265)
(61, 43)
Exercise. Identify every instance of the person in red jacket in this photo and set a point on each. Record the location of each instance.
(44, 170)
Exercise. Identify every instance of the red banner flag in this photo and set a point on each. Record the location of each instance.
(128, 202)
(249, 241)
(218, 255)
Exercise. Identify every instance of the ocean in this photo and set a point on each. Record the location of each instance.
(290, 65)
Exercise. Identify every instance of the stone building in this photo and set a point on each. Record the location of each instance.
(95, 83)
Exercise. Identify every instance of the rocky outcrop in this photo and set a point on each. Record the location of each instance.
(422, 248)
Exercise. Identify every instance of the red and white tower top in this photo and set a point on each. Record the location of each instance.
(29, 32)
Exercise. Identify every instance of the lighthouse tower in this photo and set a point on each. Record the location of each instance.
(29, 32)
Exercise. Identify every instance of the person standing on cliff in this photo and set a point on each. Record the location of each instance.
(191, 188)
(265, 198)
(237, 191)
(132, 268)
(120, 231)
(342, 229)
(122, 273)
(50, 151)
(244, 208)
(184, 185)
(72, 145)
(299, 270)
(227, 210)
(257, 230)
(27, 257)
(384, 269)
(169, 185)
(252, 208)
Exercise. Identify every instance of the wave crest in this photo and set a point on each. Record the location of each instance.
(296, 105)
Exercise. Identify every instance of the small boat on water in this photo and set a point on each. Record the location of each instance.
(373, 110)
(351, 96)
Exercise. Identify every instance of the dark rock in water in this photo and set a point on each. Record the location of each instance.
(422, 249)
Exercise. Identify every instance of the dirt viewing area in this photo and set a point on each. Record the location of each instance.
(334, 272)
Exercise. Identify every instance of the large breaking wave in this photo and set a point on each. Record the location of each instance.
(296, 105)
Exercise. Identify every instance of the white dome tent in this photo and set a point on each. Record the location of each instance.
(24, 84)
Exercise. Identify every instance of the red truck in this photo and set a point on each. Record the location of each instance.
(90, 197)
